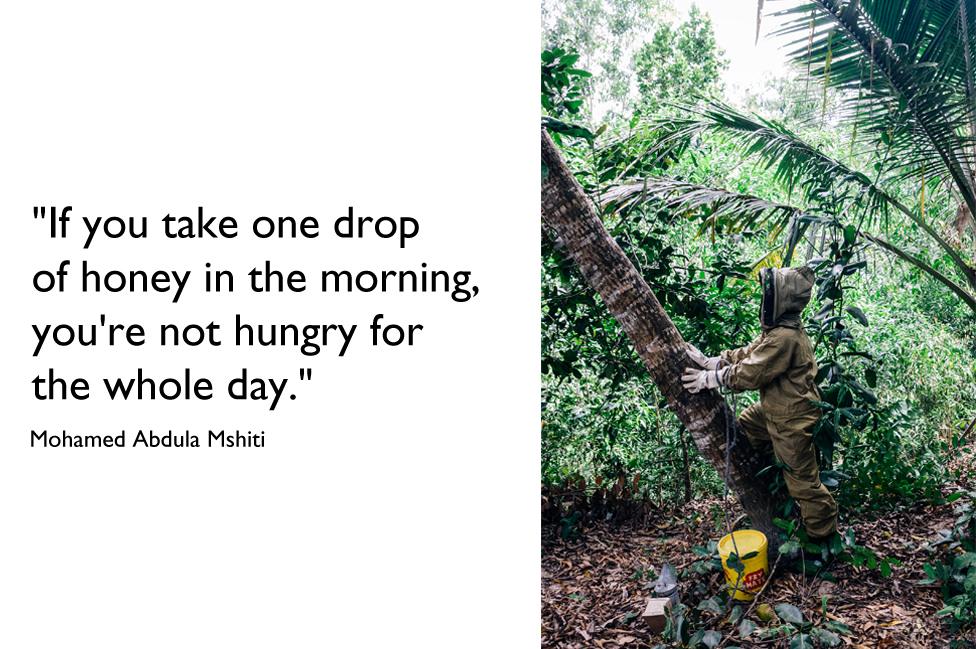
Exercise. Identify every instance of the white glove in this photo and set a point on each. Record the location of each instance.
(702, 361)
(695, 380)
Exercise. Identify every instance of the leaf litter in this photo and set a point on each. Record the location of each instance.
(595, 586)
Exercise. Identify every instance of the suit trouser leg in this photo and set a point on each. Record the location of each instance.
(753, 424)
(792, 442)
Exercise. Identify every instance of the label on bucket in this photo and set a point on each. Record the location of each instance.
(754, 580)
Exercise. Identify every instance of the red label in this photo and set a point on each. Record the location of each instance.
(754, 580)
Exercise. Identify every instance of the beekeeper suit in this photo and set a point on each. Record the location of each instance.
(781, 365)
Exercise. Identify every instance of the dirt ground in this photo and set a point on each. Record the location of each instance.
(594, 587)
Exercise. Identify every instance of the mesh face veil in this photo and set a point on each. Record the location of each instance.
(785, 292)
(767, 304)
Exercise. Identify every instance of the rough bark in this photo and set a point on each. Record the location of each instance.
(569, 214)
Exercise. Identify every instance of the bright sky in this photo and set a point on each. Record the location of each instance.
(735, 30)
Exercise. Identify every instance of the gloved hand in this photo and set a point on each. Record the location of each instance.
(695, 380)
(702, 361)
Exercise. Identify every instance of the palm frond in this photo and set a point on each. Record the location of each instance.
(967, 58)
(732, 211)
(823, 181)
(913, 97)
(796, 164)
(739, 211)
(925, 267)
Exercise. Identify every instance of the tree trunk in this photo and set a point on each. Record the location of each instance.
(568, 212)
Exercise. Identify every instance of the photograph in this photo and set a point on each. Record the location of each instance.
(758, 324)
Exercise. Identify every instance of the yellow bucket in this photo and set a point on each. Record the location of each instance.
(751, 547)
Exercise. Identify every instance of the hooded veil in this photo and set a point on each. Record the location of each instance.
(785, 292)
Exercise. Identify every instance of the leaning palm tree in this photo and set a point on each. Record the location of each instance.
(904, 72)
(570, 216)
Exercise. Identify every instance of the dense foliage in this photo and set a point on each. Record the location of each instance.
(701, 195)
(678, 61)
(956, 576)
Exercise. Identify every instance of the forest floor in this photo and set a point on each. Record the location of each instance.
(594, 587)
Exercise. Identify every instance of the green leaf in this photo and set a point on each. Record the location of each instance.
(569, 59)
(735, 563)
(711, 605)
(711, 639)
(826, 638)
(801, 641)
(746, 627)
(789, 613)
(871, 377)
(680, 624)
(786, 525)
(885, 568)
(573, 130)
(736, 614)
(788, 547)
(850, 234)
(825, 308)
(839, 627)
(964, 561)
(857, 314)
(573, 107)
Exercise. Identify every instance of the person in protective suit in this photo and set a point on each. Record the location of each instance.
(781, 365)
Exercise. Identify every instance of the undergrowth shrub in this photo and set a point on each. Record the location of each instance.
(593, 431)
(883, 464)
(955, 573)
